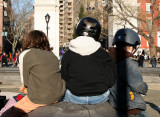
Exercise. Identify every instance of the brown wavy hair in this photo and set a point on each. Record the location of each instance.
(36, 39)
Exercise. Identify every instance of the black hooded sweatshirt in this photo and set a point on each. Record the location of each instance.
(87, 68)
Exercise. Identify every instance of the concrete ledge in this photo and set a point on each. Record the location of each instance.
(9, 69)
(142, 69)
(8, 94)
(63, 109)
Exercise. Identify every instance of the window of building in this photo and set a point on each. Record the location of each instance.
(148, 9)
(149, 22)
(5, 13)
(140, 39)
(60, 1)
(69, 9)
(158, 39)
(139, 7)
(5, 4)
(69, 3)
(147, 41)
(138, 24)
(147, 44)
(88, 4)
(96, 4)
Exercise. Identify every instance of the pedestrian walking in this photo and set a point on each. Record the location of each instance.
(141, 60)
(16, 59)
(153, 61)
(10, 56)
(4, 60)
(89, 71)
(125, 95)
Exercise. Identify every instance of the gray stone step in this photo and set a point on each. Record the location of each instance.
(63, 109)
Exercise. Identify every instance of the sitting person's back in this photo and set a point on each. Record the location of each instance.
(40, 76)
(126, 93)
(89, 71)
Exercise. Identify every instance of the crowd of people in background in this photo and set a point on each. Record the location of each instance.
(142, 59)
(12, 58)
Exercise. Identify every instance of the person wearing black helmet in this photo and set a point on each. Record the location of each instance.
(89, 71)
(125, 95)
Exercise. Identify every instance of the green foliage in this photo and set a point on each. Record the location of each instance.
(74, 33)
(81, 13)
(80, 16)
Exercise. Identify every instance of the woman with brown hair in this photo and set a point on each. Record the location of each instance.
(40, 76)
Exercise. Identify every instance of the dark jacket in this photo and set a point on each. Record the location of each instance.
(129, 85)
(141, 60)
(153, 60)
(4, 59)
(87, 73)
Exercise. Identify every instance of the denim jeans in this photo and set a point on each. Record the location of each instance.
(153, 64)
(71, 98)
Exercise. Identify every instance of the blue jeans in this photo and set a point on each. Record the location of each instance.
(141, 114)
(153, 64)
(69, 97)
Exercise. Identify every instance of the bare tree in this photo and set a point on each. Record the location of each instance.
(20, 20)
(148, 23)
(101, 16)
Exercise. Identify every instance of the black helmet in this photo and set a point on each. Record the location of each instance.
(89, 26)
(128, 36)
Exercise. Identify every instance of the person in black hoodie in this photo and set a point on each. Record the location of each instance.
(4, 60)
(89, 71)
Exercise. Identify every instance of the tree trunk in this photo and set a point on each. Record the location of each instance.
(152, 48)
(13, 48)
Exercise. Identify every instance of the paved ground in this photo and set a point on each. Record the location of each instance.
(152, 98)
(153, 103)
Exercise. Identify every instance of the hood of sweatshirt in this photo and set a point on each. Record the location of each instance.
(84, 45)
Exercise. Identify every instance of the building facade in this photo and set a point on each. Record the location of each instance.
(1, 25)
(140, 9)
(68, 18)
(5, 6)
(145, 9)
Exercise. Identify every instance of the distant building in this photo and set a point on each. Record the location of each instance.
(68, 16)
(5, 6)
(141, 7)
(1, 25)
(144, 7)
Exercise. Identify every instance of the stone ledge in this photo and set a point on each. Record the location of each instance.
(63, 109)
(9, 70)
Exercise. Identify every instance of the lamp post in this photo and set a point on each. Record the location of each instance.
(47, 18)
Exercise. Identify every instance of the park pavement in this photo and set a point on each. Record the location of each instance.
(152, 98)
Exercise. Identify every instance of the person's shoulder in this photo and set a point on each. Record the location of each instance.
(103, 52)
(68, 53)
(131, 62)
(25, 52)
